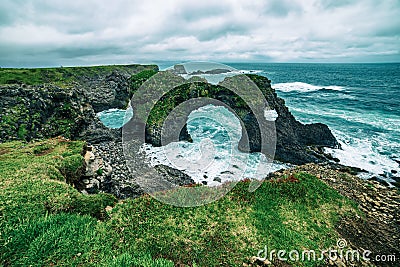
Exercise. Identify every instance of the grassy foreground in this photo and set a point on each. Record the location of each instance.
(45, 222)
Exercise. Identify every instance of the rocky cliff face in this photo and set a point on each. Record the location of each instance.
(64, 104)
(295, 142)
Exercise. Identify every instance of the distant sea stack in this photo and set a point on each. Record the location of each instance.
(179, 69)
(41, 103)
(214, 71)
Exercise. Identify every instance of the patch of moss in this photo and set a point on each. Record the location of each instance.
(14, 121)
(62, 122)
(72, 167)
(42, 148)
(135, 81)
(22, 131)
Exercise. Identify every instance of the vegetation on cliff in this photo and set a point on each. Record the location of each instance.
(60, 75)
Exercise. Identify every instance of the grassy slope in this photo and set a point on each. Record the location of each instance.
(44, 221)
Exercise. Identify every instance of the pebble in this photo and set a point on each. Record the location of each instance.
(217, 179)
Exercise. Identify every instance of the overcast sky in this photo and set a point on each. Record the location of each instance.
(86, 32)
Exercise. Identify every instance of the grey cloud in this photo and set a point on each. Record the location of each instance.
(9, 11)
(194, 13)
(281, 8)
(389, 31)
(69, 52)
(83, 32)
(223, 30)
(329, 4)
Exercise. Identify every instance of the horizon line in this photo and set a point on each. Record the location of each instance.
(183, 61)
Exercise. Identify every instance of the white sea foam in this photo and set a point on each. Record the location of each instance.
(384, 121)
(303, 87)
(270, 114)
(364, 154)
(217, 78)
(221, 167)
(213, 157)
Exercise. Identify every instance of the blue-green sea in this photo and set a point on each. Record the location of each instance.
(359, 102)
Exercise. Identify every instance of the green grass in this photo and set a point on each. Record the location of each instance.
(44, 221)
(231, 230)
(60, 75)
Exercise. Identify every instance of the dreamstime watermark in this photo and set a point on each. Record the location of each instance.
(339, 252)
(161, 107)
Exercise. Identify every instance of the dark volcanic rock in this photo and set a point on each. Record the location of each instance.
(174, 176)
(295, 142)
(30, 112)
(215, 71)
(179, 69)
(66, 108)
(111, 91)
(379, 180)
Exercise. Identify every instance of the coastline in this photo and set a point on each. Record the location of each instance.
(96, 166)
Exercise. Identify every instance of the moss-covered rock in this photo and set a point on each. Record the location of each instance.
(49, 102)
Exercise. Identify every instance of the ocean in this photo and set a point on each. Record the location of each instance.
(359, 103)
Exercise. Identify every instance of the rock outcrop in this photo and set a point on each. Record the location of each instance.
(65, 107)
(296, 143)
(106, 171)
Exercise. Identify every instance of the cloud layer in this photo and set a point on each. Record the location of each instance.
(53, 33)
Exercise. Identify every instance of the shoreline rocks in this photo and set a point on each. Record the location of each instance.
(106, 171)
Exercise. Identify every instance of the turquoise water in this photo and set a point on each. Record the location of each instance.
(115, 118)
(213, 157)
(359, 102)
